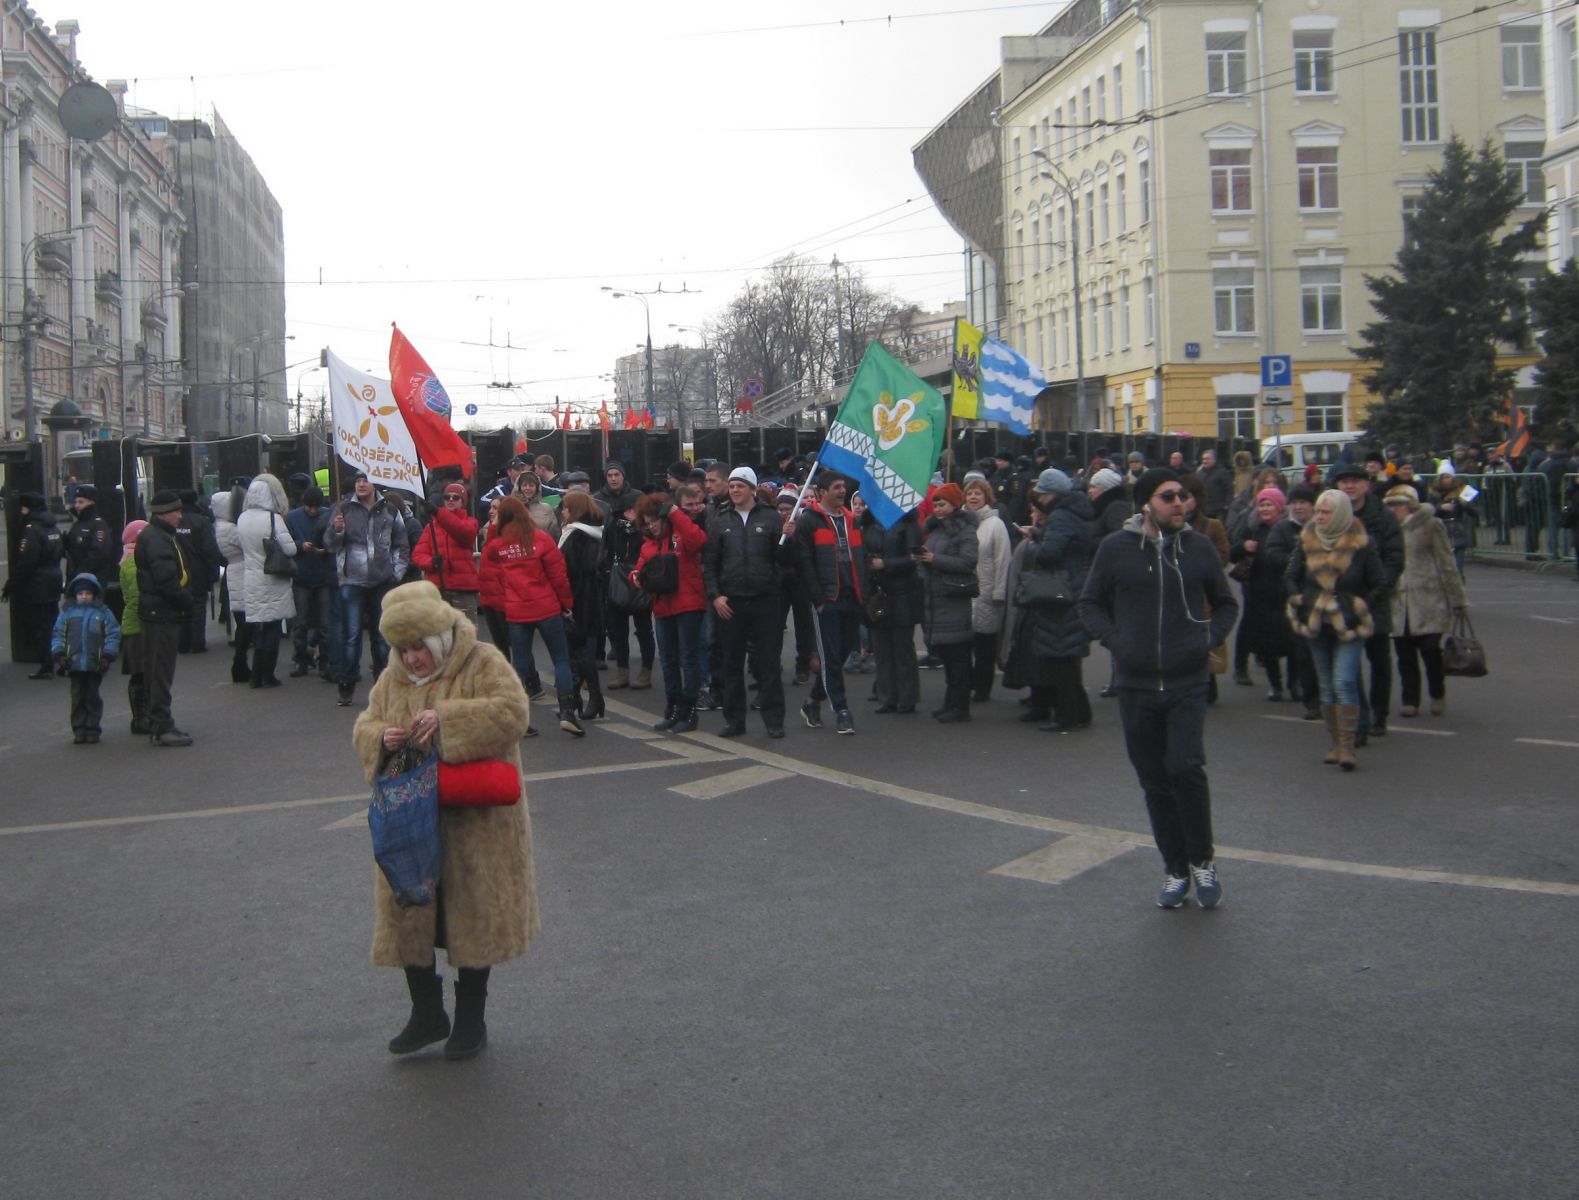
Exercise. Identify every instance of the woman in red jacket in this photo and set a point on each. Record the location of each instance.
(445, 549)
(536, 599)
(490, 590)
(667, 530)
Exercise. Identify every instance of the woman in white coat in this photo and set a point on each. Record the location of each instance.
(267, 598)
(226, 507)
(992, 580)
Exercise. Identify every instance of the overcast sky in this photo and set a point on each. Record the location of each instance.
(484, 168)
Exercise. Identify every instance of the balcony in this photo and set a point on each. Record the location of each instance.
(54, 255)
(107, 287)
(154, 316)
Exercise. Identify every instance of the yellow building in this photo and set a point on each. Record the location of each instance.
(1190, 185)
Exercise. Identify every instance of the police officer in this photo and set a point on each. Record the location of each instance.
(35, 580)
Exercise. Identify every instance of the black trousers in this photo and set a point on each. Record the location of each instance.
(757, 626)
(1379, 650)
(956, 675)
(87, 706)
(840, 628)
(791, 603)
(194, 631)
(1066, 696)
(618, 626)
(984, 663)
(41, 620)
(898, 680)
(1412, 651)
(1165, 734)
(161, 645)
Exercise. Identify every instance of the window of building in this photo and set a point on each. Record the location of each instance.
(1091, 218)
(1318, 176)
(1148, 308)
(1123, 317)
(1234, 299)
(1085, 116)
(1118, 92)
(1035, 347)
(1417, 86)
(1225, 64)
(1145, 191)
(1019, 251)
(1524, 169)
(1521, 57)
(1036, 245)
(1120, 203)
(1236, 417)
(1411, 202)
(1015, 155)
(1324, 412)
(1058, 131)
(1571, 229)
(1313, 62)
(1103, 199)
(1320, 299)
(1052, 340)
(1063, 332)
(1568, 63)
(1230, 180)
(1101, 106)
(1047, 135)
(1061, 247)
(1091, 323)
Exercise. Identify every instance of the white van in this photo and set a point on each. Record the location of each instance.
(1299, 450)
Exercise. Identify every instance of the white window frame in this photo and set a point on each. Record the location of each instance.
(1325, 403)
(1233, 175)
(1419, 94)
(1313, 63)
(1321, 284)
(1316, 170)
(1568, 79)
(1235, 285)
(1118, 91)
(1144, 166)
(1525, 170)
(1124, 316)
(1520, 43)
(1148, 303)
(1227, 59)
(1121, 202)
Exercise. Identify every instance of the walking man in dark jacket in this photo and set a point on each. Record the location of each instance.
(35, 580)
(1157, 598)
(741, 568)
(831, 565)
(164, 598)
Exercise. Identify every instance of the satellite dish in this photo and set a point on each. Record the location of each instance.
(87, 110)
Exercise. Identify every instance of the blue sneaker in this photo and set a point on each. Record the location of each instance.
(1174, 889)
(811, 713)
(1208, 892)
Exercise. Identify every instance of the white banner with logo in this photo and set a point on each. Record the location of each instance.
(369, 432)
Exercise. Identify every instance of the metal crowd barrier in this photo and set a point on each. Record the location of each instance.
(1518, 516)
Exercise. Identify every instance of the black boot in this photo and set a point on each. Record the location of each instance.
(138, 700)
(428, 1023)
(471, 1002)
(568, 721)
(685, 717)
(593, 709)
(671, 713)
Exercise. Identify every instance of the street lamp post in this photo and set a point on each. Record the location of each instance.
(153, 301)
(33, 315)
(711, 365)
(256, 342)
(1066, 185)
(647, 311)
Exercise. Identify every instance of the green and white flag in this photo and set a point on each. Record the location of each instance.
(887, 436)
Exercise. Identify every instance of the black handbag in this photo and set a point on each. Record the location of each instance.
(625, 595)
(275, 561)
(957, 584)
(660, 574)
(1044, 589)
(878, 606)
(1462, 653)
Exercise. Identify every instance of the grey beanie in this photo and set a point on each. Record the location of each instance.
(1052, 480)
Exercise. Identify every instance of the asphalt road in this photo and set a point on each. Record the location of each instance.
(919, 962)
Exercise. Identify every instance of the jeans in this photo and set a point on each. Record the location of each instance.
(757, 625)
(553, 631)
(839, 627)
(1164, 732)
(618, 625)
(310, 628)
(680, 652)
(361, 606)
(1337, 668)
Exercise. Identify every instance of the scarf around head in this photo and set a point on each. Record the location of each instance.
(1340, 522)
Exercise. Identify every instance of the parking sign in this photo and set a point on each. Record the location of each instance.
(1277, 370)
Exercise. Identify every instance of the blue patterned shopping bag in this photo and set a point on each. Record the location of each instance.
(404, 821)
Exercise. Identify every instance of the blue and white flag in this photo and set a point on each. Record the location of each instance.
(1010, 384)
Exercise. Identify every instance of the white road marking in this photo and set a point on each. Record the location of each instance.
(191, 815)
(1553, 620)
(1005, 816)
(632, 732)
(1547, 742)
(1064, 859)
(1391, 726)
(731, 781)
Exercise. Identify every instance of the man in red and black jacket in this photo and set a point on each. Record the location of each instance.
(832, 566)
(444, 551)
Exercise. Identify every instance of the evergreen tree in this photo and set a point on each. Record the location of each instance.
(1555, 302)
(1453, 298)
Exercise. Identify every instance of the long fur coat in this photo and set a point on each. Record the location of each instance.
(1335, 589)
(1430, 587)
(489, 887)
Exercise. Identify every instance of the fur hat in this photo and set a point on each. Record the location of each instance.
(414, 611)
(1402, 494)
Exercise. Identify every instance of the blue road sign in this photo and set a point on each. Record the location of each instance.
(1277, 370)
(471, 410)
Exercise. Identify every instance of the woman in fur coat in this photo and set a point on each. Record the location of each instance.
(449, 690)
(1336, 578)
(1426, 597)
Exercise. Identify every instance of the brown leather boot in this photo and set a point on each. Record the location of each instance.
(1329, 714)
(1348, 722)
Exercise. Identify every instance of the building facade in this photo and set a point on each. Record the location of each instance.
(1191, 185)
(234, 248)
(1560, 49)
(684, 385)
(91, 235)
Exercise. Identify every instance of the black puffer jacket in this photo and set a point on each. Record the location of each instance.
(1064, 542)
(35, 575)
(953, 543)
(899, 577)
(745, 559)
(164, 580)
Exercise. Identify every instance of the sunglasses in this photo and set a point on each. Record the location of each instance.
(453, 499)
(1169, 497)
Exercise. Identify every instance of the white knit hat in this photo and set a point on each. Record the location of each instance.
(744, 473)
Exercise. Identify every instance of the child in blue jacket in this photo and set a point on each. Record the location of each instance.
(87, 639)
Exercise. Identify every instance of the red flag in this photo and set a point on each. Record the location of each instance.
(564, 418)
(426, 407)
(630, 418)
(1518, 442)
(605, 422)
(520, 445)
